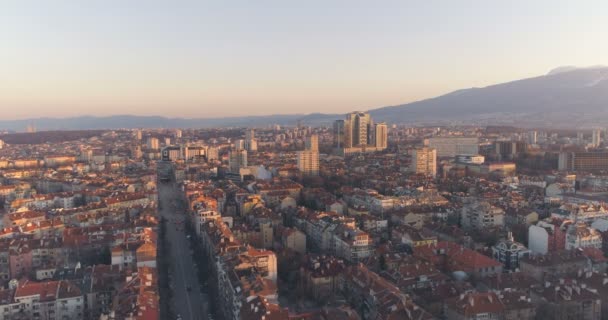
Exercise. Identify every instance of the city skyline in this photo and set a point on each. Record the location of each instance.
(283, 160)
(216, 60)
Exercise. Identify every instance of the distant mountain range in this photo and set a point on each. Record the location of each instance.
(131, 121)
(566, 96)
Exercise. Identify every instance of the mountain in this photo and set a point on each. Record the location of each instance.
(566, 97)
(564, 94)
(131, 121)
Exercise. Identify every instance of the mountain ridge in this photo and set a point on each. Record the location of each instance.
(567, 96)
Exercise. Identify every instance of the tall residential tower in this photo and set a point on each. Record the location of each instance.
(424, 161)
(308, 160)
(358, 133)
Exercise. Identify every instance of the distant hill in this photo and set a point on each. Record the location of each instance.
(568, 92)
(49, 136)
(566, 96)
(131, 121)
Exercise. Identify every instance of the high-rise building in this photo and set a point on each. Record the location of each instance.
(358, 133)
(212, 153)
(583, 161)
(171, 153)
(136, 152)
(580, 137)
(250, 134)
(312, 143)
(138, 134)
(359, 123)
(1, 144)
(250, 143)
(339, 134)
(86, 155)
(153, 143)
(190, 152)
(371, 133)
(178, 133)
(239, 144)
(167, 141)
(509, 149)
(237, 160)
(532, 137)
(381, 135)
(424, 161)
(308, 162)
(596, 138)
(453, 146)
(31, 128)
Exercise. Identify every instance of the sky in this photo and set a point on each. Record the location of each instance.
(223, 58)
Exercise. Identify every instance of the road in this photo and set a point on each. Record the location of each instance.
(190, 305)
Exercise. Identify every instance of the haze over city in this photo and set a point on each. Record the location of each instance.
(202, 59)
(303, 160)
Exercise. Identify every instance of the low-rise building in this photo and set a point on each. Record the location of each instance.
(579, 235)
(509, 252)
(567, 300)
(481, 216)
(473, 306)
(319, 276)
(554, 264)
(294, 239)
(47, 300)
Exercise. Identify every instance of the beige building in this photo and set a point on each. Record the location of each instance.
(424, 161)
(579, 235)
(453, 146)
(153, 143)
(308, 162)
(352, 244)
(312, 143)
(381, 135)
(250, 143)
(583, 161)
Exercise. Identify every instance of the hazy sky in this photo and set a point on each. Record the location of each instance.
(220, 58)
